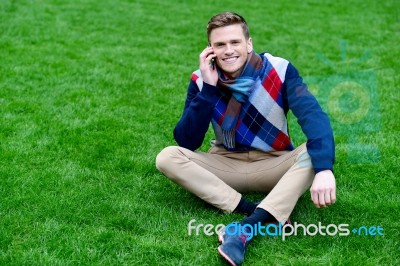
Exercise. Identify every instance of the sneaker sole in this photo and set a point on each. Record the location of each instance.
(226, 257)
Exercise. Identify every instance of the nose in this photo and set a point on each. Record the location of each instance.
(228, 49)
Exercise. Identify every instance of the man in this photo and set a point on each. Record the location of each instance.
(246, 97)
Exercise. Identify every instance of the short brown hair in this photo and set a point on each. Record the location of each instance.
(227, 19)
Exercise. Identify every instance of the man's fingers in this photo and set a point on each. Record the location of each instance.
(210, 56)
(321, 197)
(327, 196)
(333, 196)
(206, 52)
(314, 198)
(205, 57)
(323, 189)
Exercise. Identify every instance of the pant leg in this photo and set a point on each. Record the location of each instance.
(218, 177)
(215, 178)
(286, 176)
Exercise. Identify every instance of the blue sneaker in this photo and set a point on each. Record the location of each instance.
(233, 244)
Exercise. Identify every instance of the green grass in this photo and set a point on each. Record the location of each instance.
(90, 92)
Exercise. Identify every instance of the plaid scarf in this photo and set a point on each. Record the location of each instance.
(238, 91)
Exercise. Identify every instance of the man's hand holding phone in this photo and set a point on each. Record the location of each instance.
(207, 66)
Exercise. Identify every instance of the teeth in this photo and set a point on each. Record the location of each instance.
(230, 59)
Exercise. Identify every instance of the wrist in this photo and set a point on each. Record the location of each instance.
(319, 170)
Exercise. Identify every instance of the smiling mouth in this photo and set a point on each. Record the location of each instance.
(230, 60)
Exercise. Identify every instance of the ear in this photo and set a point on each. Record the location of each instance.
(249, 45)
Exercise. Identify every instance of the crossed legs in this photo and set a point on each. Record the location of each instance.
(219, 176)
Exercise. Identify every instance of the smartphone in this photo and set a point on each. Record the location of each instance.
(212, 64)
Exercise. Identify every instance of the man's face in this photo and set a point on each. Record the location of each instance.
(231, 47)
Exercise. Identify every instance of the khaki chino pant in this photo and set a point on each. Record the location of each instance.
(220, 176)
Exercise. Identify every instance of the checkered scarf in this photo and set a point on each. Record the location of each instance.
(238, 91)
(262, 122)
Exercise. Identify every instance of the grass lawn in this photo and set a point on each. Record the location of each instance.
(90, 92)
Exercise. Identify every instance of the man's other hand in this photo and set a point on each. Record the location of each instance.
(323, 189)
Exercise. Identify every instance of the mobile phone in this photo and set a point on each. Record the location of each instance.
(212, 63)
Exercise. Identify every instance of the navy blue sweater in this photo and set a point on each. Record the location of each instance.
(199, 106)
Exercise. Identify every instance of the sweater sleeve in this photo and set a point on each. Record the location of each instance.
(313, 121)
(195, 120)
